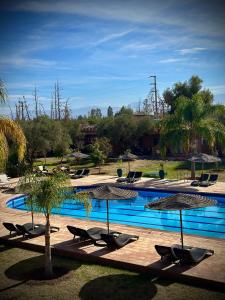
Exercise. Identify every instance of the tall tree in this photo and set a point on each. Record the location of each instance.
(110, 112)
(95, 113)
(191, 121)
(46, 194)
(186, 89)
(97, 156)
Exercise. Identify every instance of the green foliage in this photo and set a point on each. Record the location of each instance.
(95, 113)
(124, 111)
(44, 194)
(104, 145)
(192, 120)
(97, 156)
(43, 135)
(110, 112)
(187, 89)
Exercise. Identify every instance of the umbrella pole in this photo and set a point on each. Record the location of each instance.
(129, 166)
(107, 209)
(181, 230)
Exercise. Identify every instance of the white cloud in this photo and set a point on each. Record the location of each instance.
(26, 62)
(206, 17)
(217, 89)
(190, 50)
(111, 37)
(171, 60)
(139, 46)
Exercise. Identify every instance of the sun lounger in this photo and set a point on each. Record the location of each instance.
(86, 172)
(167, 253)
(77, 174)
(4, 181)
(39, 229)
(93, 234)
(117, 242)
(192, 255)
(11, 227)
(130, 176)
(81, 173)
(137, 176)
(212, 180)
(203, 177)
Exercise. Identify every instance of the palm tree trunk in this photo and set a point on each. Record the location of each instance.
(192, 170)
(48, 256)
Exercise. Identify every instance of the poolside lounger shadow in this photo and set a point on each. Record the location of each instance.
(117, 242)
(203, 177)
(192, 255)
(93, 234)
(129, 177)
(212, 180)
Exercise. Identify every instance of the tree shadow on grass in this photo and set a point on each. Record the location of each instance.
(119, 287)
(4, 248)
(32, 269)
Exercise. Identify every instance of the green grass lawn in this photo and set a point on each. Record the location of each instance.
(86, 281)
(174, 169)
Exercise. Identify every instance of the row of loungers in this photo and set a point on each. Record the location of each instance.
(205, 180)
(28, 229)
(113, 240)
(131, 177)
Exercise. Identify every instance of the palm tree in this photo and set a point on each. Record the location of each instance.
(191, 121)
(3, 92)
(47, 193)
(9, 129)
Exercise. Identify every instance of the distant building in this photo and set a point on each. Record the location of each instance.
(89, 132)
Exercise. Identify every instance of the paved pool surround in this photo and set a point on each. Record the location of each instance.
(139, 256)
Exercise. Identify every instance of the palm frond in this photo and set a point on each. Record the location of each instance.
(11, 129)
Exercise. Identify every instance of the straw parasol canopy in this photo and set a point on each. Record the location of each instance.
(203, 158)
(106, 192)
(129, 157)
(78, 155)
(181, 202)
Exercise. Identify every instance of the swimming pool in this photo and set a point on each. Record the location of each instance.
(209, 221)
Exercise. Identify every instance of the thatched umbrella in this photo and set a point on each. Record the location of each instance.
(106, 192)
(78, 155)
(202, 158)
(181, 202)
(129, 157)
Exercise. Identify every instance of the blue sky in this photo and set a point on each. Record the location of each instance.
(102, 52)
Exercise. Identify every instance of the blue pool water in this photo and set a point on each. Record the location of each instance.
(209, 221)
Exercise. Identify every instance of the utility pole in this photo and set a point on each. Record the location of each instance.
(154, 90)
(36, 102)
